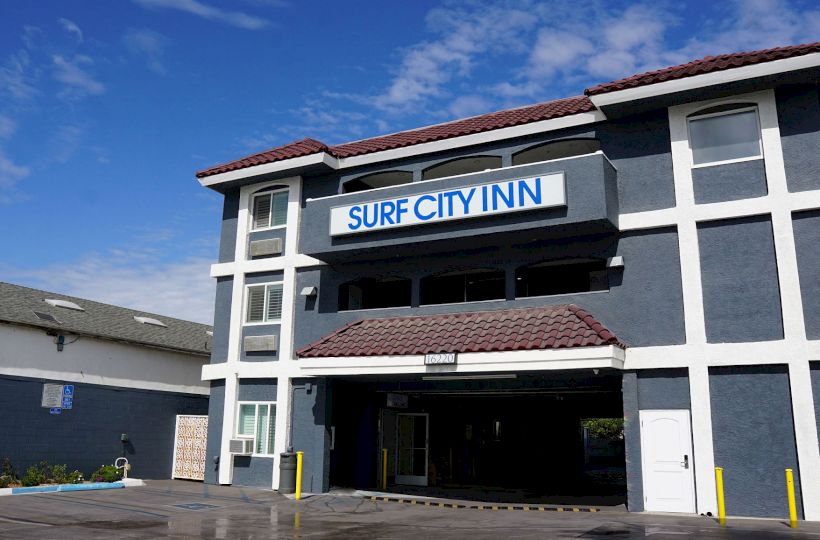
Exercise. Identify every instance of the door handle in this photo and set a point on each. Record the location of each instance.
(685, 462)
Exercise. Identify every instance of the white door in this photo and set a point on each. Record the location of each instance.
(411, 443)
(666, 453)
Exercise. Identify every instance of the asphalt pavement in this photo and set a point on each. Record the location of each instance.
(178, 509)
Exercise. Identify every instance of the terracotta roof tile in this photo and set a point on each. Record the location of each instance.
(305, 147)
(708, 64)
(551, 327)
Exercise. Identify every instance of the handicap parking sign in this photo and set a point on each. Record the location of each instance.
(68, 390)
(68, 402)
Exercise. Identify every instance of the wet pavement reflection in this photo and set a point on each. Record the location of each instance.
(181, 510)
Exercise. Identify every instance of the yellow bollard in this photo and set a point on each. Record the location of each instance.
(792, 504)
(299, 475)
(384, 468)
(720, 501)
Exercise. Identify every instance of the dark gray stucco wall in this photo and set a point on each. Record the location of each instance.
(753, 434)
(807, 242)
(643, 306)
(222, 319)
(310, 432)
(257, 390)
(741, 295)
(647, 390)
(730, 182)
(216, 410)
(798, 115)
(88, 435)
(639, 146)
(227, 235)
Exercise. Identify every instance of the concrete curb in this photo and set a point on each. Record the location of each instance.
(128, 482)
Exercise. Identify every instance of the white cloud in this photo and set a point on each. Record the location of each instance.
(148, 44)
(7, 127)
(137, 280)
(194, 7)
(72, 28)
(16, 79)
(556, 50)
(10, 174)
(79, 81)
(64, 142)
(469, 105)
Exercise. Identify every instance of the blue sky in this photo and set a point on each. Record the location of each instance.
(108, 108)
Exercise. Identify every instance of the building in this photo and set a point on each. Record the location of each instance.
(77, 375)
(469, 295)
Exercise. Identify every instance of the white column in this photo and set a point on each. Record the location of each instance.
(280, 437)
(228, 415)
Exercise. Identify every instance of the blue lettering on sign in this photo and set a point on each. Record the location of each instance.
(55, 410)
(68, 402)
(425, 216)
(355, 218)
(68, 390)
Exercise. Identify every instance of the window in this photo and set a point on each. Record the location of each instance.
(561, 277)
(461, 166)
(264, 303)
(270, 209)
(374, 294)
(257, 421)
(556, 150)
(724, 136)
(469, 286)
(378, 180)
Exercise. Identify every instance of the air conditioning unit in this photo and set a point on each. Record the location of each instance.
(262, 248)
(241, 447)
(261, 343)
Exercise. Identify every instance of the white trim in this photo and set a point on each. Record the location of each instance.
(176, 436)
(708, 79)
(727, 162)
(87, 378)
(252, 205)
(532, 128)
(272, 264)
(608, 356)
(255, 418)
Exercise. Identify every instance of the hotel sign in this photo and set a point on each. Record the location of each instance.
(458, 203)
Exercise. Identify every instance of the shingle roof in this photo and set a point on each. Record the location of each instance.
(456, 128)
(553, 327)
(512, 117)
(18, 304)
(708, 64)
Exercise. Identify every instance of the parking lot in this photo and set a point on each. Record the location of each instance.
(178, 509)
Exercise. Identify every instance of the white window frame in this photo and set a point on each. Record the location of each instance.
(245, 321)
(271, 424)
(696, 116)
(252, 207)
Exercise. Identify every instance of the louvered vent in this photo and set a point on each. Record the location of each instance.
(260, 248)
(261, 343)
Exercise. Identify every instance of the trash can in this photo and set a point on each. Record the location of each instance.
(287, 472)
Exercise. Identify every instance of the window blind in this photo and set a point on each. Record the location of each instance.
(247, 416)
(256, 304)
(262, 425)
(261, 211)
(274, 302)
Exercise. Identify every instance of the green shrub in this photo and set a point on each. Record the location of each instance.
(6, 481)
(43, 473)
(609, 429)
(106, 473)
(8, 476)
(37, 474)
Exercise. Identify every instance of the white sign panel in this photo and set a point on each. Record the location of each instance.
(457, 203)
(398, 401)
(52, 396)
(435, 359)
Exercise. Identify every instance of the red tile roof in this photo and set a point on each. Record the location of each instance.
(456, 128)
(708, 64)
(512, 117)
(554, 327)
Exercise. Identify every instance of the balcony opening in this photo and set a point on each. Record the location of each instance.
(561, 277)
(463, 165)
(377, 180)
(463, 286)
(556, 150)
(374, 293)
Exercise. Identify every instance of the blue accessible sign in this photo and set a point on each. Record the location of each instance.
(68, 402)
(55, 410)
(68, 390)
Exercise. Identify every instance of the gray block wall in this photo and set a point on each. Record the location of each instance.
(310, 432)
(730, 182)
(216, 411)
(643, 307)
(806, 227)
(88, 435)
(798, 115)
(647, 390)
(753, 435)
(222, 319)
(230, 216)
(741, 294)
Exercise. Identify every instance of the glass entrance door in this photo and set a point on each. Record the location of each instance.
(411, 438)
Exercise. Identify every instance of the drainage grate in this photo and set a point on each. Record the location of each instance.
(195, 506)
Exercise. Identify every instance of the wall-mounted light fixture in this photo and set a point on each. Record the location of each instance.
(309, 291)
